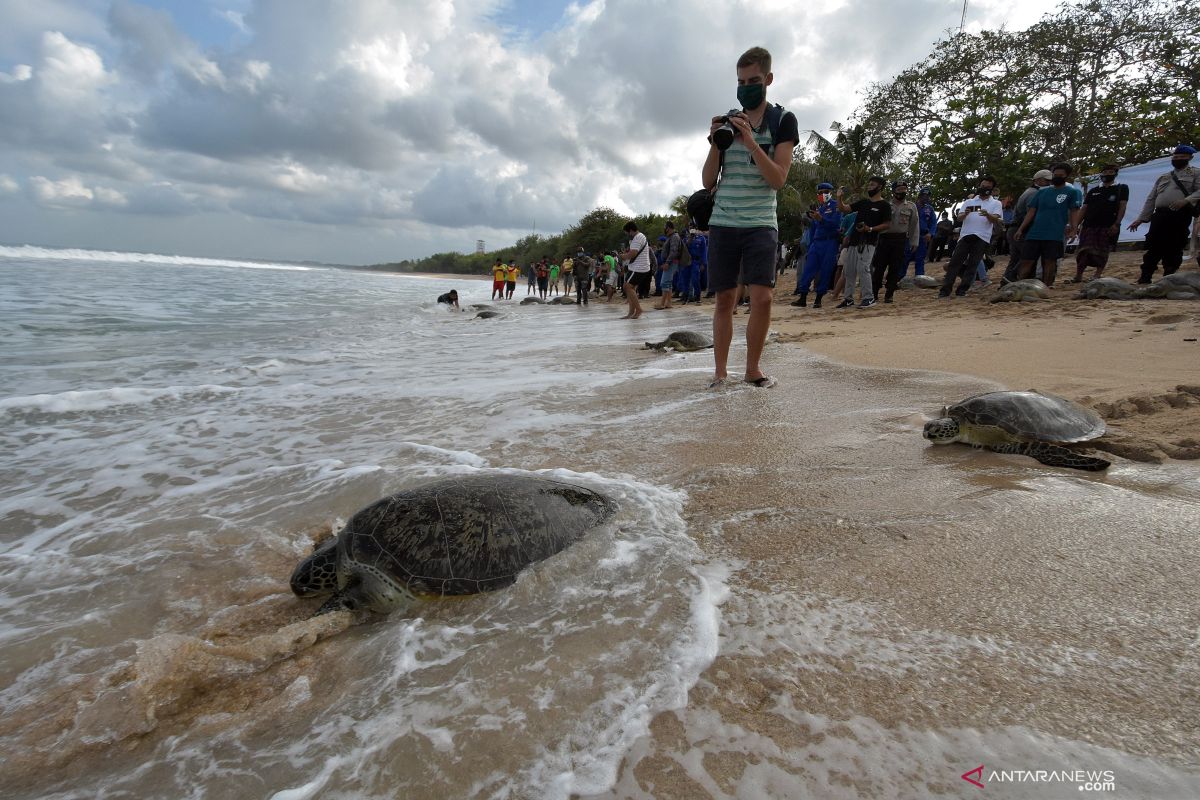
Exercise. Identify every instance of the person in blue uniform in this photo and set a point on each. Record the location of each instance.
(927, 219)
(821, 259)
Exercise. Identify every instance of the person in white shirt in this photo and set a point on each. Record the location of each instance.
(979, 215)
(638, 270)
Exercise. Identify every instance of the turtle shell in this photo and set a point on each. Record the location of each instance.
(1030, 415)
(468, 534)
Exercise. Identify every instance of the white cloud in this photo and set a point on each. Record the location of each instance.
(8, 185)
(21, 72)
(70, 192)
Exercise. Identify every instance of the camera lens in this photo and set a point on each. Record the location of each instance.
(723, 136)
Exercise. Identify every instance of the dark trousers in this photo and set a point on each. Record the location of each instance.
(938, 248)
(964, 262)
(1012, 272)
(582, 286)
(889, 257)
(1168, 236)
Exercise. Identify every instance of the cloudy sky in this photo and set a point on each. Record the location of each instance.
(364, 131)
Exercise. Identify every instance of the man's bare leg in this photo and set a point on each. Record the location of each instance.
(757, 328)
(723, 331)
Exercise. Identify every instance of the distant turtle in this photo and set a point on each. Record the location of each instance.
(562, 300)
(681, 341)
(920, 282)
(528, 301)
(487, 314)
(458, 536)
(1015, 292)
(1030, 423)
(1177, 286)
(1106, 289)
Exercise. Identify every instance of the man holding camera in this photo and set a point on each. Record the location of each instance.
(750, 153)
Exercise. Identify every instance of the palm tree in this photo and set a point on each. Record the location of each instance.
(856, 153)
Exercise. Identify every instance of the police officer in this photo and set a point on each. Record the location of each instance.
(821, 259)
(1169, 209)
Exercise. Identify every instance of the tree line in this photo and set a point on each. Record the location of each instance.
(1093, 82)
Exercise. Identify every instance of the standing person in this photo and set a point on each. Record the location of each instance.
(581, 266)
(639, 268)
(1053, 214)
(670, 265)
(532, 275)
(926, 227)
(511, 273)
(941, 237)
(568, 275)
(498, 280)
(554, 270)
(697, 245)
(611, 277)
(543, 278)
(979, 215)
(1169, 209)
(744, 227)
(873, 215)
(821, 259)
(902, 234)
(685, 274)
(1102, 212)
(1013, 271)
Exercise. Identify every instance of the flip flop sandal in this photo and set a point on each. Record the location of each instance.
(765, 382)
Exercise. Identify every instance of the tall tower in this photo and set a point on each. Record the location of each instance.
(479, 248)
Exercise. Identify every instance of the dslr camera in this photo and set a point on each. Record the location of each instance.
(723, 136)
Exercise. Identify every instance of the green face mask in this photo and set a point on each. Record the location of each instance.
(751, 95)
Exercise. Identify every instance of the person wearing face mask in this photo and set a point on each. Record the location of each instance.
(979, 215)
(872, 216)
(744, 228)
(1012, 272)
(1053, 213)
(1170, 207)
(819, 263)
(902, 234)
(1102, 212)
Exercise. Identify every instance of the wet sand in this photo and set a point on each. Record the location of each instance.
(900, 614)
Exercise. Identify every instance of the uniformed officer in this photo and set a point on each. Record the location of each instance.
(1169, 209)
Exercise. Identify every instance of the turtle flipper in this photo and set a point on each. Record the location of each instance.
(349, 598)
(1054, 456)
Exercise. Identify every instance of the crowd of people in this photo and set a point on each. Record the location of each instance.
(731, 250)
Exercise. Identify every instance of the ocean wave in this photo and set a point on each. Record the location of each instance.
(33, 252)
(100, 399)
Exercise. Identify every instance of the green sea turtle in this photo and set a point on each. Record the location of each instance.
(458, 536)
(530, 301)
(919, 282)
(682, 341)
(1030, 423)
(487, 314)
(1106, 289)
(1015, 292)
(1177, 286)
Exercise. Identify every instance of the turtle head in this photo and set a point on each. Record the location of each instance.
(942, 430)
(317, 574)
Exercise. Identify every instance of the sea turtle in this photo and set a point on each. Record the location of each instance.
(458, 536)
(1106, 289)
(529, 301)
(681, 341)
(920, 282)
(487, 314)
(1177, 286)
(1015, 292)
(1030, 423)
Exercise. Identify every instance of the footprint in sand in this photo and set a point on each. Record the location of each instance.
(1166, 319)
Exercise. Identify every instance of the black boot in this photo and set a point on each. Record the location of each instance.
(803, 301)
(887, 298)
(817, 302)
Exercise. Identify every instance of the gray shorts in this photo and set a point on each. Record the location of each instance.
(741, 255)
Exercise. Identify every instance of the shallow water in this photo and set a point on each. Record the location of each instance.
(880, 612)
